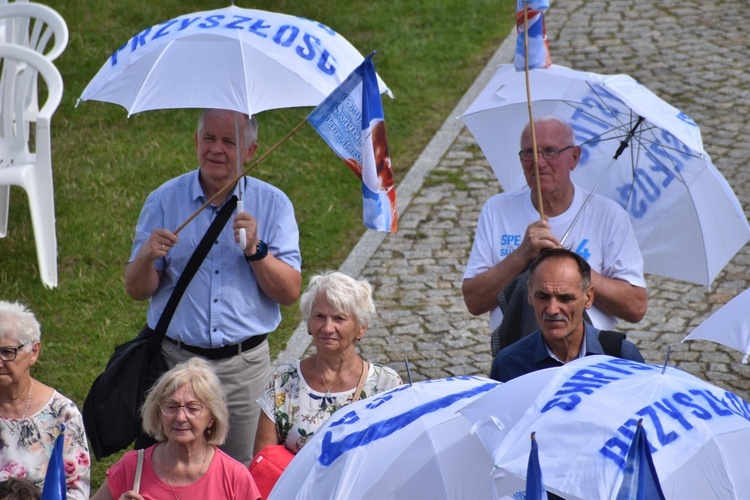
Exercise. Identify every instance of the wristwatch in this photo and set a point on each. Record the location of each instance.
(260, 252)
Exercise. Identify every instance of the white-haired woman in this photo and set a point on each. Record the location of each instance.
(185, 411)
(300, 396)
(34, 414)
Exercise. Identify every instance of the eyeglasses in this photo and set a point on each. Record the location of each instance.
(547, 153)
(192, 410)
(10, 353)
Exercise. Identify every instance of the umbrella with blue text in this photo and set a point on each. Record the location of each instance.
(351, 121)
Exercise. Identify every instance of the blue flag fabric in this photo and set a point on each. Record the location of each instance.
(54, 479)
(534, 483)
(641, 481)
(351, 121)
(539, 56)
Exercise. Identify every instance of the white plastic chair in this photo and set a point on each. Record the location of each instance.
(19, 164)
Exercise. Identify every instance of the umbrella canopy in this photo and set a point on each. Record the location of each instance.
(730, 325)
(686, 218)
(409, 442)
(240, 59)
(585, 415)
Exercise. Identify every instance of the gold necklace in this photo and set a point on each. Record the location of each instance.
(166, 474)
(13, 427)
(328, 389)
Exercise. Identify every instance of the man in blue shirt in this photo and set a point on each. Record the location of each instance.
(232, 302)
(559, 291)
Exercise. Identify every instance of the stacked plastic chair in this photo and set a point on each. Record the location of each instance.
(33, 35)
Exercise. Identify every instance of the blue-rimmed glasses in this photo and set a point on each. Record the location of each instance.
(546, 153)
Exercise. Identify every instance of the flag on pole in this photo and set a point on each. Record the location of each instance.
(534, 483)
(54, 479)
(640, 481)
(539, 56)
(351, 121)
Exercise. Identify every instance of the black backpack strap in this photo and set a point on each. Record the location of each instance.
(193, 264)
(611, 342)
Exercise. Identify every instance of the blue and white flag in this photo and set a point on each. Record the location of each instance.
(640, 481)
(539, 56)
(54, 479)
(534, 483)
(351, 121)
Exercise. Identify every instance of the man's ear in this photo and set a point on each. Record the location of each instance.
(249, 152)
(589, 297)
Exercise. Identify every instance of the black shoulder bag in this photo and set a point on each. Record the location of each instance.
(111, 411)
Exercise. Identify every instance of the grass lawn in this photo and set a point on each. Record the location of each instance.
(105, 164)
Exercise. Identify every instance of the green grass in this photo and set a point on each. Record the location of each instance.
(429, 52)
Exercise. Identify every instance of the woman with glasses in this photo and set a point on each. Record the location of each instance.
(33, 414)
(186, 413)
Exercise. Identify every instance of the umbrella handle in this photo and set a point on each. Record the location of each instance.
(243, 232)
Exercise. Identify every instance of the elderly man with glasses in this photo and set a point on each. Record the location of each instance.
(510, 235)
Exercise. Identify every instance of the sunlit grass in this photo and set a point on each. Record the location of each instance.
(105, 164)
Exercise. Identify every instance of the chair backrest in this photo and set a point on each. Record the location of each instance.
(33, 25)
(19, 67)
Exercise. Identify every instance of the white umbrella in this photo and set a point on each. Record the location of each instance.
(245, 60)
(585, 415)
(409, 442)
(730, 325)
(686, 218)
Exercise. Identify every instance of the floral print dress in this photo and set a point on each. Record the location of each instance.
(299, 411)
(26, 451)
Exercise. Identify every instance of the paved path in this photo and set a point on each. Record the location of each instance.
(690, 53)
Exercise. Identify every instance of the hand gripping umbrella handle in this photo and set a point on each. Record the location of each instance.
(243, 232)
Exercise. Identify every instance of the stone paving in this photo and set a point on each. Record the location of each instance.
(689, 52)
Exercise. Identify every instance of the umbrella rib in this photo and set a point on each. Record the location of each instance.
(148, 77)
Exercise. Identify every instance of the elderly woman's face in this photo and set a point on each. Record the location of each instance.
(184, 417)
(331, 329)
(16, 359)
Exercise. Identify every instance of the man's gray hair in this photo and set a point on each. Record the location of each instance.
(250, 131)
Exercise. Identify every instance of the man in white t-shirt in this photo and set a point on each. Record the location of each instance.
(510, 234)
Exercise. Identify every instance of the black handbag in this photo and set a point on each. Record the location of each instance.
(111, 411)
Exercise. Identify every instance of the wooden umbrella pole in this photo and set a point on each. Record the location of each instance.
(234, 181)
(540, 206)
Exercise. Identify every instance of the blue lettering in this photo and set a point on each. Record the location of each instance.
(279, 37)
(257, 26)
(510, 239)
(332, 450)
(139, 39)
(565, 405)
(712, 401)
(608, 366)
(113, 57)
(667, 407)
(308, 54)
(583, 251)
(663, 437)
(163, 31)
(186, 22)
(328, 69)
(236, 24)
(592, 375)
(738, 405)
(617, 456)
(698, 410)
(635, 365)
(211, 21)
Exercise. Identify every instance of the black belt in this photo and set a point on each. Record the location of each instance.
(221, 352)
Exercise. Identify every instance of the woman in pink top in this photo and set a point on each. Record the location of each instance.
(185, 411)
